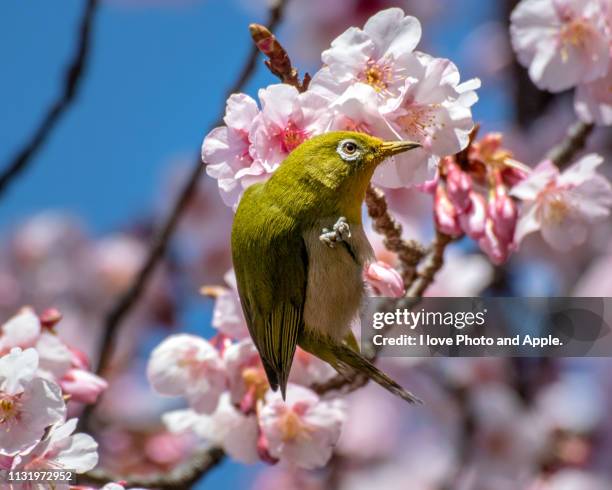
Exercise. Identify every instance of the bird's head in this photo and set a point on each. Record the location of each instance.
(348, 152)
(336, 167)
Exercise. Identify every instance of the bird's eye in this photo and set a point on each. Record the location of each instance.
(348, 150)
(349, 147)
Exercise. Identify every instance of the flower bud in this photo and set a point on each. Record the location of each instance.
(445, 214)
(50, 317)
(384, 279)
(491, 244)
(82, 386)
(458, 187)
(503, 212)
(473, 220)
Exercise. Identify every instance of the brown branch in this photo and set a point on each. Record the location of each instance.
(575, 140)
(432, 263)
(181, 477)
(278, 61)
(409, 252)
(73, 77)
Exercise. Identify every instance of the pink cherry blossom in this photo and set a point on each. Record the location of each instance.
(384, 279)
(302, 430)
(286, 120)
(28, 404)
(245, 373)
(433, 109)
(307, 369)
(227, 313)
(226, 150)
(561, 205)
(593, 101)
(562, 42)
(227, 427)
(82, 386)
(377, 56)
(189, 366)
(357, 109)
(55, 357)
(61, 449)
(22, 330)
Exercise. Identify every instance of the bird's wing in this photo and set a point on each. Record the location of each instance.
(270, 262)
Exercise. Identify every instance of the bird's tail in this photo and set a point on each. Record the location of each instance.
(344, 359)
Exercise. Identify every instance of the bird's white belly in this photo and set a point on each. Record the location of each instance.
(335, 282)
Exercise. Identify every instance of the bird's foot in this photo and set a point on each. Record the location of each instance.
(340, 232)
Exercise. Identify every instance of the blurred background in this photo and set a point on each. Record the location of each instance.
(76, 224)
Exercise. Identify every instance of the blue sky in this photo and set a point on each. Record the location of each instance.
(156, 80)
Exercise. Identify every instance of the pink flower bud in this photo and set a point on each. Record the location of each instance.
(82, 386)
(384, 279)
(497, 249)
(50, 317)
(79, 359)
(513, 175)
(458, 187)
(502, 210)
(445, 214)
(473, 220)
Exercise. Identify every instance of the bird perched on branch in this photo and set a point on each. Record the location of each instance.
(299, 248)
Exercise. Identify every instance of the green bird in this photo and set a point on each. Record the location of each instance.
(299, 249)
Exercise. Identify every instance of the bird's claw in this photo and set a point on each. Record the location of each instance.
(341, 232)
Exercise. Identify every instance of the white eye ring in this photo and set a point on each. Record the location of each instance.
(348, 150)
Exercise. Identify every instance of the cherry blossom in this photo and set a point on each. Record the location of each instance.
(593, 101)
(379, 56)
(227, 313)
(226, 149)
(61, 449)
(227, 427)
(189, 366)
(303, 429)
(28, 404)
(562, 204)
(22, 330)
(286, 120)
(246, 376)
(433, 109)
(563, 42)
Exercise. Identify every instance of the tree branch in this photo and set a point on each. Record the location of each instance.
(409, 252)
(181, 477)
(72, 83)
(433, 262)
(575, 140)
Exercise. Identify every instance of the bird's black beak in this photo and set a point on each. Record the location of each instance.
(390, 148)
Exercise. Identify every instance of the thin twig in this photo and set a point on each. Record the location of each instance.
(159, 242)
(574, 141)
(181, 477)
(409, 252)
(432, 263)
(73, 77)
